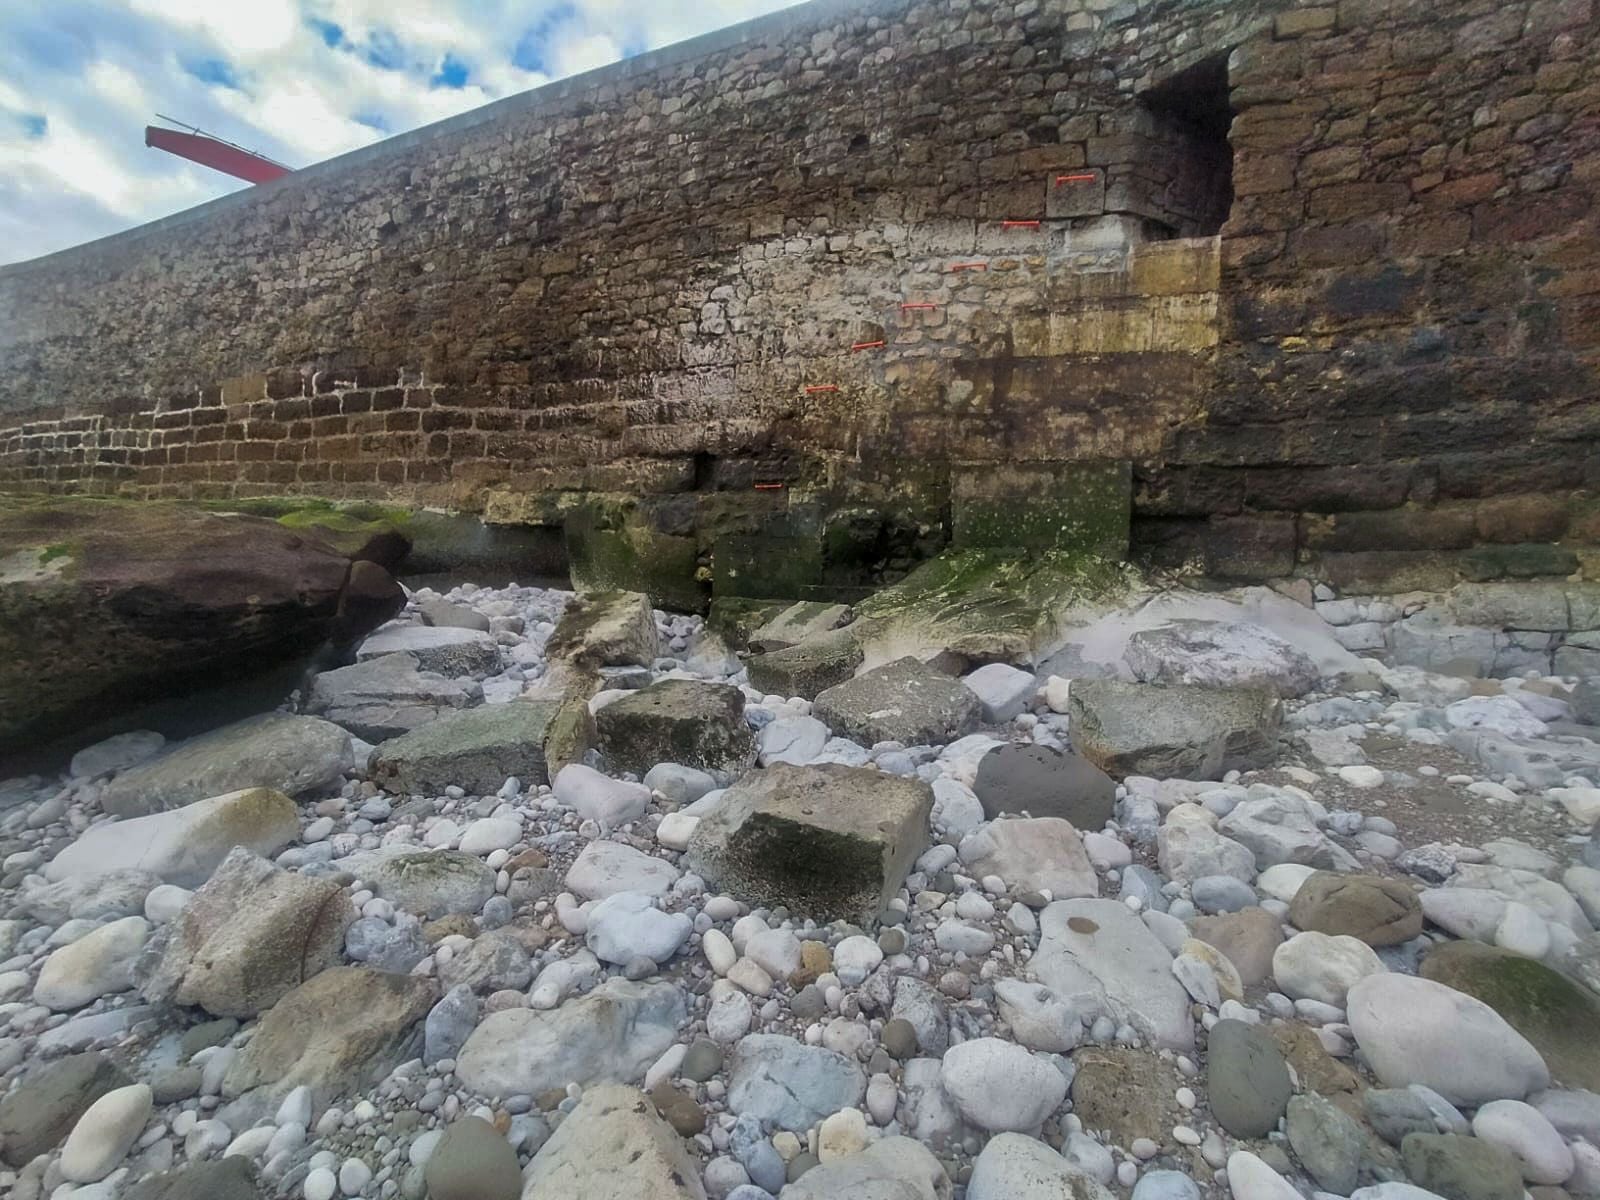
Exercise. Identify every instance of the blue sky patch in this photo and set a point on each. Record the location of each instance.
(213, 70)
(34, 125)
(452, 73)
(331, 34)
(373, 120)
(530, 54)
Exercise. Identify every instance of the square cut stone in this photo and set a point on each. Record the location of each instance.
(829, 842)
(683, 721)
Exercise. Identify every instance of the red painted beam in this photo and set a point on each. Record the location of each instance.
(219, 156)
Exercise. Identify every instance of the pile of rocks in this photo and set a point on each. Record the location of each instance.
(544, 898)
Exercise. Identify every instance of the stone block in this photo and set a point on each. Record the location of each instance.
(797, 623)
(681, 721)
(477, 750)
(831, 842)
(807, 669)
(633, 557)
(606, 629)
(904, 701)
(1083, 506)
(1183, 732)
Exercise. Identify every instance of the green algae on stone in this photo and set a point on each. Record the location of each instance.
(1085, 507)
(1557, 1015)
(986, 605)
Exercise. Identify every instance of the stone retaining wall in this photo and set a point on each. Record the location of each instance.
(630, 303)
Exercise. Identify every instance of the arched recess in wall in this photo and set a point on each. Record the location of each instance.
(1192, 112)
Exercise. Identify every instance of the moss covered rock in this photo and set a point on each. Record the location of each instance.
(681, 721)
(810, 668)
(986, 605)
(477, 749)
(1559, 1017)
(830, 842)
(128, 602)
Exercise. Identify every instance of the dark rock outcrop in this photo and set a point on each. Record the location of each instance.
(106, 604)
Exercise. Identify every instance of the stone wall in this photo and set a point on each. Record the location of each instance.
(644, 303)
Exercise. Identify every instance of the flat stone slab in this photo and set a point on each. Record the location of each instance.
(828, 841)
(610, 1035)
(809, 668)
(1221, 654)
(388, 696)
(449, 651)
(905, 701)
(293, 755)
(798, 623)
(476, 750)
(683, 721)
(338, 1032)
(1101, 949)
(1183, 732)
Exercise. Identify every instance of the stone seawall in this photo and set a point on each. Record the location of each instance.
(1320, 282)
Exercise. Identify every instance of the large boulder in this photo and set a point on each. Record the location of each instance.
(681, 721)
(1101, 951)
(339, 1031)
(1220, 654)
(828, 841)
(905, 701)
(297, 756)
(247, 938)
(606, 629)
(809, 668)
(110, 604)
(610, 1035)
(387, 696)
(1183, 732)
(1379, 911)
(1014, 1166)
(185, 845)
(1417, 1031)
(1557, 1016)
(479, 749)
(613, 1146)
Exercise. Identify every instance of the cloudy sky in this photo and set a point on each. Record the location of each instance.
(296, 80)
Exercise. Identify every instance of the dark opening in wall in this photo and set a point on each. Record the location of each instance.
(1193, 112)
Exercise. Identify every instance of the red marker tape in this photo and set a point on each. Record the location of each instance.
(822, 387)
(969, 266)
(769, 487)
(918, 307)
(867, 346)
(1020, 224)
(1086, 178)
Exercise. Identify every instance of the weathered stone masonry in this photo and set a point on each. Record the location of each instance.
(620, 304)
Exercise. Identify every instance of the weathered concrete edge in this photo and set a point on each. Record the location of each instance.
(633, 70)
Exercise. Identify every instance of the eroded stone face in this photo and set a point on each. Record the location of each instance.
(828, 841)
(681, 721)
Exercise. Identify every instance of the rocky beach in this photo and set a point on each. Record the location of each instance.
(548, 895)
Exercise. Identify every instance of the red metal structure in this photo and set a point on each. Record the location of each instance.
(215, 153)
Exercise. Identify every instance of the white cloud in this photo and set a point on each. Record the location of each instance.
(297, 80)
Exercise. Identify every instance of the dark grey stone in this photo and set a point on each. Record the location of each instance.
(1246, 1079)
(1044, 782)
(38, 1113)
